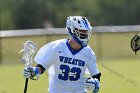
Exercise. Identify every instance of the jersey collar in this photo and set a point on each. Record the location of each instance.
(71, 49)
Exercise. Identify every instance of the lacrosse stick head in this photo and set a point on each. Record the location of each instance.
(28, 51)
(135, 43)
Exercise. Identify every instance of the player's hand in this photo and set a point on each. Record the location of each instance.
(29, 72)
(92, 85)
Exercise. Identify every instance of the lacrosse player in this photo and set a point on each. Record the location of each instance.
(67, 59)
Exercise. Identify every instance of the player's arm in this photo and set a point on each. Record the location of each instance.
(31, 72)
(44, 58)
(97, 76)
(40, 68)
(93, 83)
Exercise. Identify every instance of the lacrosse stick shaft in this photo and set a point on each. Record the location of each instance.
(26, 85)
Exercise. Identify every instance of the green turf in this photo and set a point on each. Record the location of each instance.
(119, 76)
(117, 62)
(12, 81)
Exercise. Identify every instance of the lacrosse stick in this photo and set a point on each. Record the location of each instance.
(135, 43)
(29, 49)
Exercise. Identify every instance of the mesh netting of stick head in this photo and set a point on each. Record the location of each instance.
(135, 43)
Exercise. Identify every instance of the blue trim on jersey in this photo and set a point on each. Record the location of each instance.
(72, 50)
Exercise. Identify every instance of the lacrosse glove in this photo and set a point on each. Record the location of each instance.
(92, 85)
(31, 72)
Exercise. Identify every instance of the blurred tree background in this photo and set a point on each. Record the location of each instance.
(27, 14)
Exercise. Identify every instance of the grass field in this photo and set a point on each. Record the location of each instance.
(117, 62)
(117, 77)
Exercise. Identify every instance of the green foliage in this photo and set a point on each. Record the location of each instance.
(29, 13)
(25, 14)
(6, 20)
(6, 15)
(119, 12)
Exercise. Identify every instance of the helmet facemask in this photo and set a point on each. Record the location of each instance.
(82, 35)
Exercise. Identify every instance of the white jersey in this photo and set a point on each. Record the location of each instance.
(66, 67)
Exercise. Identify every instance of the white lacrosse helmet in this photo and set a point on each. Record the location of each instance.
(74, 25)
